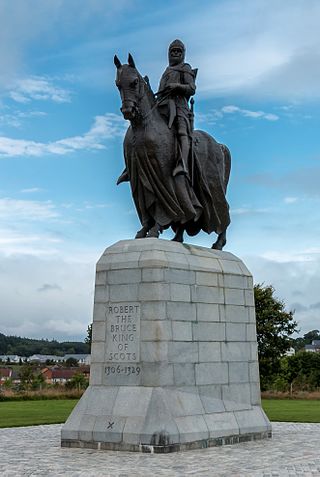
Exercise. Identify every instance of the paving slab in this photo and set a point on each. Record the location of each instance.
(35, 451)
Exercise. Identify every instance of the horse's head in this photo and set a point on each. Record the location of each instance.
(129, 84)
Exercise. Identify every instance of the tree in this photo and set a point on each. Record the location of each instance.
(78, 381)
(88, 338)
(274, 329)
(72, 362)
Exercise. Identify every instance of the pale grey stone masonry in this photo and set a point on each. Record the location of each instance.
(174, 352)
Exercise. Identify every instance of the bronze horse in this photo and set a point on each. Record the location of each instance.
(183, 203)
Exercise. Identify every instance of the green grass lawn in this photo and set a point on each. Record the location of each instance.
(292, 410)
(29, 413)
(54, 411)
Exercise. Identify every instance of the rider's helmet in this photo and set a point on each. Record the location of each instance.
(176, 44)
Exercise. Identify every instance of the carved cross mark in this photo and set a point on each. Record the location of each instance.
(110, 425)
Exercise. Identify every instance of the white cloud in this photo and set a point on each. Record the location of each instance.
(40, 89)
(290, 200)
(248, 113)
(14, 209)
(44, 297)
(104, 127)
(31, 190)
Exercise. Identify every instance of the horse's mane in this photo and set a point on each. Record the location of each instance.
(147, 88)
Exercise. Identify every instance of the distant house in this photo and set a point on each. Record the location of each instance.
(290, 352)
(81, 358)
(58, 375)
(5, 374)
(314, 347)
(43, 358)
(11, 358)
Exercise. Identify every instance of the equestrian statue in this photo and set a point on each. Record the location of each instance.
(178, 175)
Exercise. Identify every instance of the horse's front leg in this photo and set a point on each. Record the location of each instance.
(155, 231)
(179, 234)
(142, 233)
(221, 241)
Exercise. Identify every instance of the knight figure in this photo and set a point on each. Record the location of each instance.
(177, 85)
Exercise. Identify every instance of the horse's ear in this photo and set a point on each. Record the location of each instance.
(116, 61)
(131, 61)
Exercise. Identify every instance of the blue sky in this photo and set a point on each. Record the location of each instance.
(61, 135)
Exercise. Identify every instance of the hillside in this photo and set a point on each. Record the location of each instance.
(28, 347)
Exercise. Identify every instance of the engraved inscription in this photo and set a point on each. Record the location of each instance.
(123, 333)
(123, 370)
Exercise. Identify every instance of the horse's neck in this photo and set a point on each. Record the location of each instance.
(149, 110)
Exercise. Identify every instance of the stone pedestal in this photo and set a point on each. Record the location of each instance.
(174, 352)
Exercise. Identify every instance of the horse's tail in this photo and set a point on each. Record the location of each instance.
(227, 164)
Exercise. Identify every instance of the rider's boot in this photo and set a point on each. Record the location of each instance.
(182, 166)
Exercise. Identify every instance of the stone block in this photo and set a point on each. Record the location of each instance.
(208, 312)
(118, 261)
(249, 297)
(180, 276)
(184, 402)
(238, 372)
(119, 277)
(154, 310)
(96, 370)
(157, 374)
(255, 394)
(221, 424)
(154, 292)
(234, 296)
(205, 294)
(179, 292)
(252, 420)
(123, 293)
(192, 428)
(235, 351)
(101, 400)
(98, 351)
(236, 332)
(207, 278)
(153, 274)
(235, 394)
(184, 374)
(183, 352)
(254, 372)
(251, 314)
(154, 351)
(177, 260)
(156, 331)
(181, 331)
(99, 331)
(99, 312)
(234, 313)
(101, 278)
(204, 264)
(108, 429)
(153, 259)
(211, 373)
(180, 311)
(87, 423)
(211, 398)
(101, 294)
(235, 281)
(132, 430)
(251, 332)
(230, 267)
(209, 351)
(205, 331)
(135, 404)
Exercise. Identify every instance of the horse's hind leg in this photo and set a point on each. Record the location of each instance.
(179, 235)
(221, 241)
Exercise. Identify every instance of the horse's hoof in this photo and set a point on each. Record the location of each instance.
(218, 245)
(141, 234)
(177, 239)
